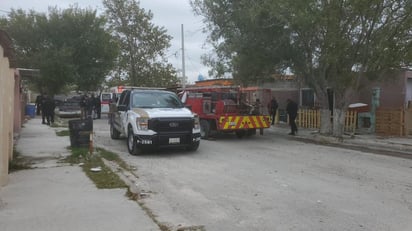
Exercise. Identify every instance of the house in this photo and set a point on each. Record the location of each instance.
(395, 91)
(9, 108)
(392, 93)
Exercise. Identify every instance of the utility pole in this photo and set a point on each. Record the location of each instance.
(183, 61)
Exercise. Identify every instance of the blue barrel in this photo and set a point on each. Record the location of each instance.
(31, 110)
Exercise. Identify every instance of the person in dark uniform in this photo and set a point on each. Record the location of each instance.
(83, 106)
(273, 107)
(90, 107)
(97, 107)
(292, 110)
(48, 108)
(39, 99)
(43, 108)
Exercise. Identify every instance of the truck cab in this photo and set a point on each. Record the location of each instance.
(151, 119)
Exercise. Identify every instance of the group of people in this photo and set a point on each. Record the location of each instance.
(291, 110)
(45, 106)
(90, 107)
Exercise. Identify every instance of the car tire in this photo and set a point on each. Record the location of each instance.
(204, 129)
(193, 147)
(132, 146)
(114, 134)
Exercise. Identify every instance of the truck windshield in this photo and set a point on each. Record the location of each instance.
(155, 100)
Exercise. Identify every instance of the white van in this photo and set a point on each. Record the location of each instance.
(105, 99)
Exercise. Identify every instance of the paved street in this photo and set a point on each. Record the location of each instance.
(271, 182)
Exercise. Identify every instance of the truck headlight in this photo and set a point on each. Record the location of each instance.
(196, 124)
(142, 123)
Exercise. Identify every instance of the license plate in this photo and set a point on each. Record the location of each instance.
(174, 140)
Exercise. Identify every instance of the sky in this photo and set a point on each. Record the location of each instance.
(170, 14)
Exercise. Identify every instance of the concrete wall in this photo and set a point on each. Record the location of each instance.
(393, 90)
(7, 86)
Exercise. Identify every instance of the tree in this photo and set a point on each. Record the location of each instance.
(332, 44)
(68, 46)
(142, 44)
(248, 41)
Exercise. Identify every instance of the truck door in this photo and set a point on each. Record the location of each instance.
(121, 115)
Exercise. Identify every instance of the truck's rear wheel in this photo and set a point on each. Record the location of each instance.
(204, 129)
(251, 132)
(240, 133)
(132, 144)
(114, 134)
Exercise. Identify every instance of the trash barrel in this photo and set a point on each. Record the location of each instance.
(31, 110)
(80, 130)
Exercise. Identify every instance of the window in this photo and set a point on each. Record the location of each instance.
(155, 100)
(308, 98)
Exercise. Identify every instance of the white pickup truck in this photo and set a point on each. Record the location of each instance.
(152, 119)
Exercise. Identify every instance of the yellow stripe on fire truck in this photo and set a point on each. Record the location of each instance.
(243, 122)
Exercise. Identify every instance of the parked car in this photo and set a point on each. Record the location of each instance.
(69, 108)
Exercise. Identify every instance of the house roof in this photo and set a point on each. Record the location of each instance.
(6, 43)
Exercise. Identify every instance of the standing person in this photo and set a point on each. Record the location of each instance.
(52, 107)
(97, 107)
(39, 98)
(256, 108)
(292, 110)
(90, 107)
(49, 107)
(43, 108)
(83, 106)
(273, 107)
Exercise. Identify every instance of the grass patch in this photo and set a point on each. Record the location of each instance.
(60, 122)
(18, 162)
(104, 179)
(113, 157)
(63, 133)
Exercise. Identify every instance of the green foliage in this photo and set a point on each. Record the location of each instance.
(69, 47)
(331, 44)
(63, 133)
(249, 41)
(142, 60)
(105, 178)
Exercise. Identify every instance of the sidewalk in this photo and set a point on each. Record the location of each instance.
(56, 196)
(390, 145)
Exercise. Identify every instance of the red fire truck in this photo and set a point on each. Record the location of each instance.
(227, 109)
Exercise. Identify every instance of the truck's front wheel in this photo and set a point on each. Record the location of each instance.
(132, 144)
(114, 134)
(193, 147)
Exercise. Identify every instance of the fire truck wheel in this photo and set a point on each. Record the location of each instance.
(132, 144)
(240, 134)
(204, 129)
(114, 134)
(251, 132)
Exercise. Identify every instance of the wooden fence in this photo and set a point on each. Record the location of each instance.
(310, 118)
(408, 120)
(391, 122)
